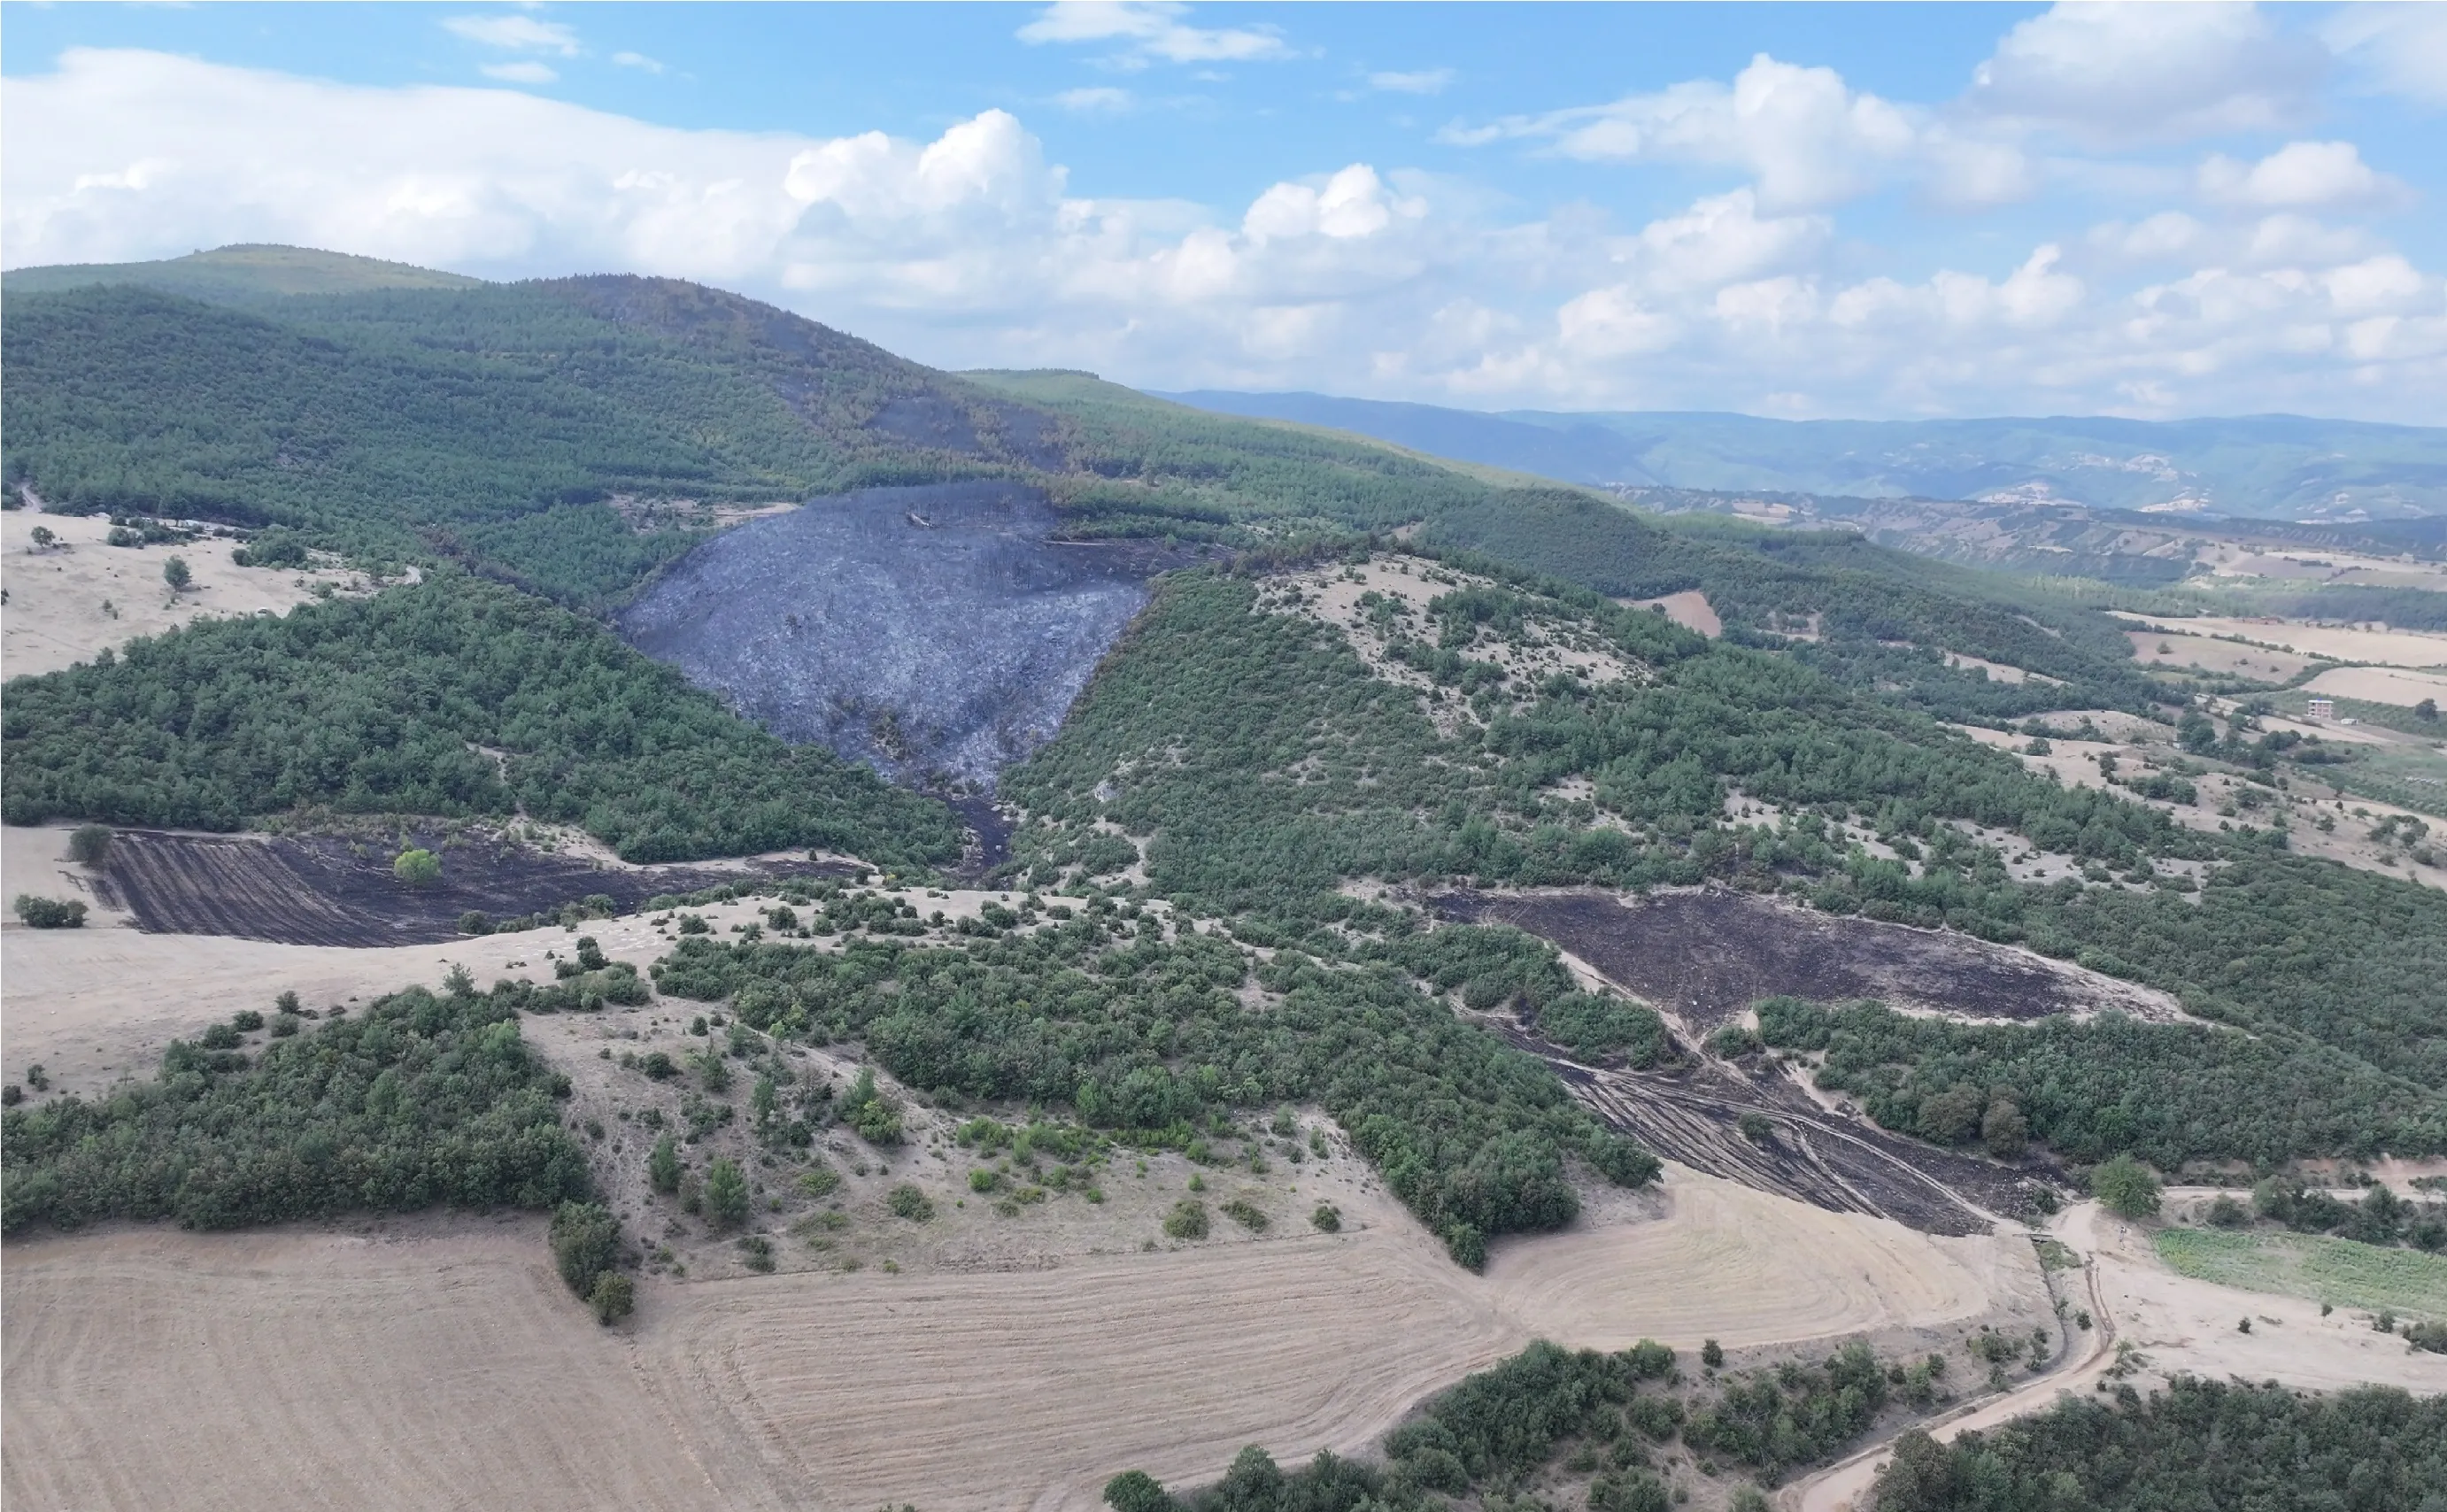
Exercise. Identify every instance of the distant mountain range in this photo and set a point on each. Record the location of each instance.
(2253, 467)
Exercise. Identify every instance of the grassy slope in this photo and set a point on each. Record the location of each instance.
(2325, 1269)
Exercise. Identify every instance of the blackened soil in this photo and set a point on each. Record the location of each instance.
(322, 891)
(1707, 957)
(937, 633)
(1691, 1114)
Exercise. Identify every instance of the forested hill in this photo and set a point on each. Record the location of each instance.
(567, 435)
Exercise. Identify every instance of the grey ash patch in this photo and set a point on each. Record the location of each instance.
(938, 633)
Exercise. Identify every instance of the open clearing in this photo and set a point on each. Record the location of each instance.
(440, 1364)
(1689, 608)
(2317, 1266)
(56, 615)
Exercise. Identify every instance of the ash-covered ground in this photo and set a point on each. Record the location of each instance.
(938, 633)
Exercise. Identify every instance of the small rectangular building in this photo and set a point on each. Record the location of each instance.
(2324, 709)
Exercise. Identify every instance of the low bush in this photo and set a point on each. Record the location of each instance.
(1187, 1219)
(49, 913)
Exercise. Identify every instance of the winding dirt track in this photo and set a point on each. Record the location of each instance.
(448, 1368)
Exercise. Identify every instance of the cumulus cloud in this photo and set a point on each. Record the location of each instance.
(1421, 82)
(1151, 31)
(973, 249)
(1805, 135)
(639, 60)
(2299, 175)
(515, 33)
(2111, 74)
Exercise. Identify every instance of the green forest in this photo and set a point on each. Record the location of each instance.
(454, 697)
(2196, 1445)
(416, 1100)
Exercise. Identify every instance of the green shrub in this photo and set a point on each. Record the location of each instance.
(45, 912)
(820, 1180)
(726, 1193)
(89, 845)
(416, 867)
(585, 1243)
(908, 1202)
(613, 1297)
(2126, 1187)
(1187, 1219)
(663, 1165)
(1326, 1218)
(1240, 1211)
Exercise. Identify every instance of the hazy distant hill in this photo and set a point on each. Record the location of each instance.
(242, 272)
(2256, 467)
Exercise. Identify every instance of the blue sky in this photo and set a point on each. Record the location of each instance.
(1805, 209)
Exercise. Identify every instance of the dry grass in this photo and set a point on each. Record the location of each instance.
(56, 598)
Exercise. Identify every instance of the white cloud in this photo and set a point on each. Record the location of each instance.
(2399, 49)
(636, 59)
(2299, 175)
(972, 248)
(2110, 73)
(1102, 98)
(524, 71)
(515, 33)
(1804, 136)
(1151, 31)
(1422, 82)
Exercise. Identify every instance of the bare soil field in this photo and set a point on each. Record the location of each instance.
(411, 1368)
(321, 890)
(2386, 648)
(57, 597)
(2399, 685)
(2152, 648)
(1690, 610)
(440, 1364)
(1708, 955)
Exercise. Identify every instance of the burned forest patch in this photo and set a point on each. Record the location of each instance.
(1706, 956)
(325, 889)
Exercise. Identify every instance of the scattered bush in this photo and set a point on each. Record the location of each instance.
(89, 845)
(908, 1202)
(1240, 1211)
(1326, 1219)
(416, 867)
